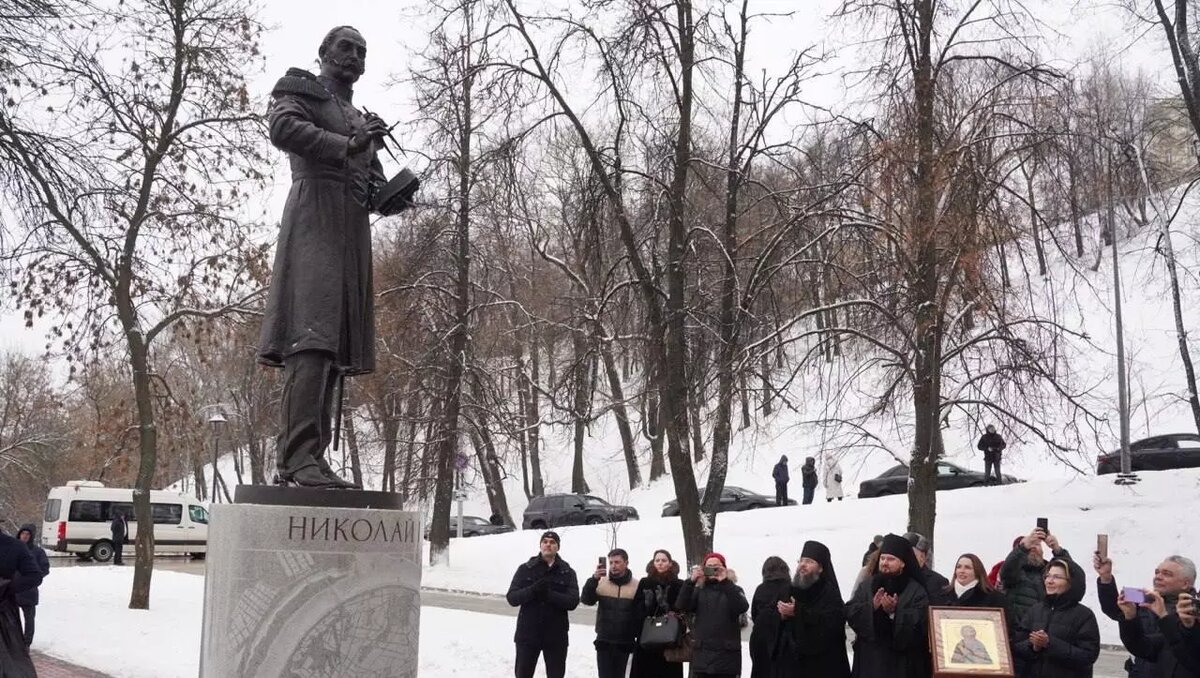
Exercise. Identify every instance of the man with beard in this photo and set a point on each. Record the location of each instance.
(619, 613)
(1141, 626)
(319, 321)
(889, 615)
(812, 641)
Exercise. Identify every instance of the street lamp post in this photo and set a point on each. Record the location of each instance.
(217, 423)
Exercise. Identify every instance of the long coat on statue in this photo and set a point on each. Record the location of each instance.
(321, 294)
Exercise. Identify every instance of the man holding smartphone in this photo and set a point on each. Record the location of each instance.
(1023, 570)
(619, 612)
(1142, 616)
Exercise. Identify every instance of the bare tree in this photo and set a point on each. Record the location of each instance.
(131, 190)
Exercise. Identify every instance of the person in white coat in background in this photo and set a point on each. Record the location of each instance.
(833, 481)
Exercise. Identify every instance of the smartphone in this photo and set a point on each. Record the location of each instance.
(1102, 546)
(1044, 525)
(710, 571)
(602, 562)
(1132, 595)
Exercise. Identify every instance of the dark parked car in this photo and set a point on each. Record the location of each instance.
(474, 526)
(1176, 450)
(949, 477)
(554, 510)
(732, 499)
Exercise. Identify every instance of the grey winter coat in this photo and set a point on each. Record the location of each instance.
(321, 295)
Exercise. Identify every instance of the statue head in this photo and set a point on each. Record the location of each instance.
(343, 54)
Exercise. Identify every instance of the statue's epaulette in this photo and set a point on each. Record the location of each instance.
(301, 82)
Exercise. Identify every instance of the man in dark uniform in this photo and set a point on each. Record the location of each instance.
(319, 324)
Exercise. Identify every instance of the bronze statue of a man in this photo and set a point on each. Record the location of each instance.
(319, 323)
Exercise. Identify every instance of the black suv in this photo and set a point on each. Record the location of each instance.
(1175, 450)
(554, 510)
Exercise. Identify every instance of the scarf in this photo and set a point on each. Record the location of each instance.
(960, 590)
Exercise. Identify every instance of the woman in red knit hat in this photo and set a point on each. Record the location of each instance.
(716, 601)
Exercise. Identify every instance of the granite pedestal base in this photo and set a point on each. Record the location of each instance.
(313, 584)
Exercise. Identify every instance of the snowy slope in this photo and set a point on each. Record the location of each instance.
(1143, 523)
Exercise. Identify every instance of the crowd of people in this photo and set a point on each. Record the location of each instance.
(800, 619)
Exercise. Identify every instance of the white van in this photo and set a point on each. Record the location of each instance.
(79, 515)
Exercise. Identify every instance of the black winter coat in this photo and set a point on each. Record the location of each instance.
(765, 615)
(1023, 582)
(780, 473)
(890, 647)
(808, 476)
(813, 642)
(935, 583)
(991, 443)
(18, 573)
(1184, 642)
(30, 596)
(717, 636)
(658, 597)
(1074, 634)
(120, 528)
(619, 610)
(545, 595)
(1144, 639)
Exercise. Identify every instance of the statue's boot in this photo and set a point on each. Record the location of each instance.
(328, 472)
(309, 476)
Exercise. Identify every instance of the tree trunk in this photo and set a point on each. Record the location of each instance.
(1035, 227)
(744, 395)
(652, 429)
(579, 411)
(924, 281)
(352, 447)
(439, 531)
(620, 413)
(143, 571)
(493, 483)
(533, 417)
(410, 455)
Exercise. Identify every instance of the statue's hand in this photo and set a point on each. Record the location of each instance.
(365, 136)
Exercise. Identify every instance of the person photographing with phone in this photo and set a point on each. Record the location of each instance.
(612, 588)
(1023, 570)
(1184, 634)
(1144, 616)
(715, 601)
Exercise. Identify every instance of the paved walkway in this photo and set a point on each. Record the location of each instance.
(49, 667)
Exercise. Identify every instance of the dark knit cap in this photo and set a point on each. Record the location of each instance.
(551, 534)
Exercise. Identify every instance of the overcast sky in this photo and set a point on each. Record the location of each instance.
(1072, 31)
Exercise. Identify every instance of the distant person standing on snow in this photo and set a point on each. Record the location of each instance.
(780, 474)
(991, 444)
(120, 532)
(808, 475)
(833, 481)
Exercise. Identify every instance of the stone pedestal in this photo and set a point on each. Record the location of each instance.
(312, 584)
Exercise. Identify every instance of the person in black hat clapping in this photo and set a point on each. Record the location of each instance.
(889, 615)
(546, 589)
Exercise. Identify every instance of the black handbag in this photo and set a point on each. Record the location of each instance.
(660, 632)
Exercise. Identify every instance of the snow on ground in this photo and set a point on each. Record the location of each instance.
(1143, 523)
(84, 618)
